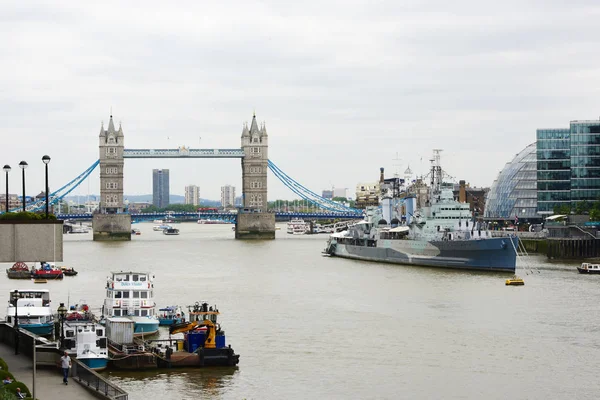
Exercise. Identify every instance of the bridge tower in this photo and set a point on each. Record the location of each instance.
(109, 221)
(254, 222)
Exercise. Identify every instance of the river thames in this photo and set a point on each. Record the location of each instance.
(308, 326)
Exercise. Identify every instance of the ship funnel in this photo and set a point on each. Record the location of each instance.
(462, 192)
(381, 178)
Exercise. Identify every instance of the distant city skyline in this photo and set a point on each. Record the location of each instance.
(344, 89)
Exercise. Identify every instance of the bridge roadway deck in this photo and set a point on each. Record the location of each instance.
(48, 381)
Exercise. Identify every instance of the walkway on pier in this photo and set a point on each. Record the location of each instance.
(48, 381)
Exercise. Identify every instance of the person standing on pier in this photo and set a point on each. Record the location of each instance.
(65, 363)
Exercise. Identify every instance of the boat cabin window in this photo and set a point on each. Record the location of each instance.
(99, 332)
(144, 295)
(136, 313)
(142, 278)
(134, 278)
(117, 313)
(118, 295)
(69, 333)
(136, 295)
(125, 295)
(144, 313)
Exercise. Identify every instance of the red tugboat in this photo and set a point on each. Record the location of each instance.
(47, 271)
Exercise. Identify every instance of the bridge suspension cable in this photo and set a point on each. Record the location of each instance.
(309, 195)
(59, 194)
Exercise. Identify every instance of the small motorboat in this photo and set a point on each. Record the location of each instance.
(586, 268)
(170, 315)
(171, 231)
(136, 232)
(68, 271)
(515, 281)
(40, 281)
(19, 270)
(160, 227)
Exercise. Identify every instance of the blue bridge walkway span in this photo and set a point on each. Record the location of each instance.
(228, 217)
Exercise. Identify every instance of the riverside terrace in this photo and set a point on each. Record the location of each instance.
(45, 380)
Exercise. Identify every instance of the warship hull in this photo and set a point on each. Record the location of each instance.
(491, 255)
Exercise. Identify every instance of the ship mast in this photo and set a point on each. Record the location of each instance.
(436, 176)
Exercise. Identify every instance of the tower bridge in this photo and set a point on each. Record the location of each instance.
(113, 222)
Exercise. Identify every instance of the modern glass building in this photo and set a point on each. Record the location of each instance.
(585, 161)
(514, 192)
(553, 169)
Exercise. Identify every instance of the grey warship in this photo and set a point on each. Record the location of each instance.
(443, 233)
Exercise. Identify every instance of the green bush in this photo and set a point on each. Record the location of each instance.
(25, 216)
(12, 388)
(3, 365)
(5, 394)
(4, 374)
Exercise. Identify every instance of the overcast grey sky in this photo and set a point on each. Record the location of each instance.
(342, 85)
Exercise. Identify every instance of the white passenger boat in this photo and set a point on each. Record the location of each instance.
(33, 310)
(130, 295)
(160, 228)
(297, 227)
(86, 341)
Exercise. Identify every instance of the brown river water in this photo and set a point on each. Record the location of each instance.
(308, 326)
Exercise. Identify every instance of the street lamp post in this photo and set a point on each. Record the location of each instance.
(46, 161)
(62, 312)
(16, 324)
(7, 170)
(23, 166)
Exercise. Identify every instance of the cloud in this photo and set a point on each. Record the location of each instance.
(342, 86)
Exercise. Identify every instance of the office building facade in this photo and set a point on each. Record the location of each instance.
(553, 169)
(160, 188)
(227, 196)
(192, 195)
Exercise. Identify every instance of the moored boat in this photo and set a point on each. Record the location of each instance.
(171, 231)
(441, 233)
(160, 228)
(203, 341)
(32, 307)
(130, 295)
(297, 226)
(589, 268)
(170, 315)
(86, 340)
(19, 270)
(47, 271)
(69, 271)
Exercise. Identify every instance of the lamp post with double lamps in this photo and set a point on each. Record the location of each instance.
(23, 166)
(62, 312)
(46, 161)
(7, 170)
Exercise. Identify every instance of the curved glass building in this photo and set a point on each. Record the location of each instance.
(514, 192)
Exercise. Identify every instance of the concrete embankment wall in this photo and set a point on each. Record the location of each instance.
(568, 249)
(31, 241)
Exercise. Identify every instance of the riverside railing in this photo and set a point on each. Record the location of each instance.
(94, 381)
(47, 354)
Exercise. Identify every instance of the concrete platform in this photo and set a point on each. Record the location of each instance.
(48, 381)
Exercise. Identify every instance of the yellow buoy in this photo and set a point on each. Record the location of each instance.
(515, 281)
